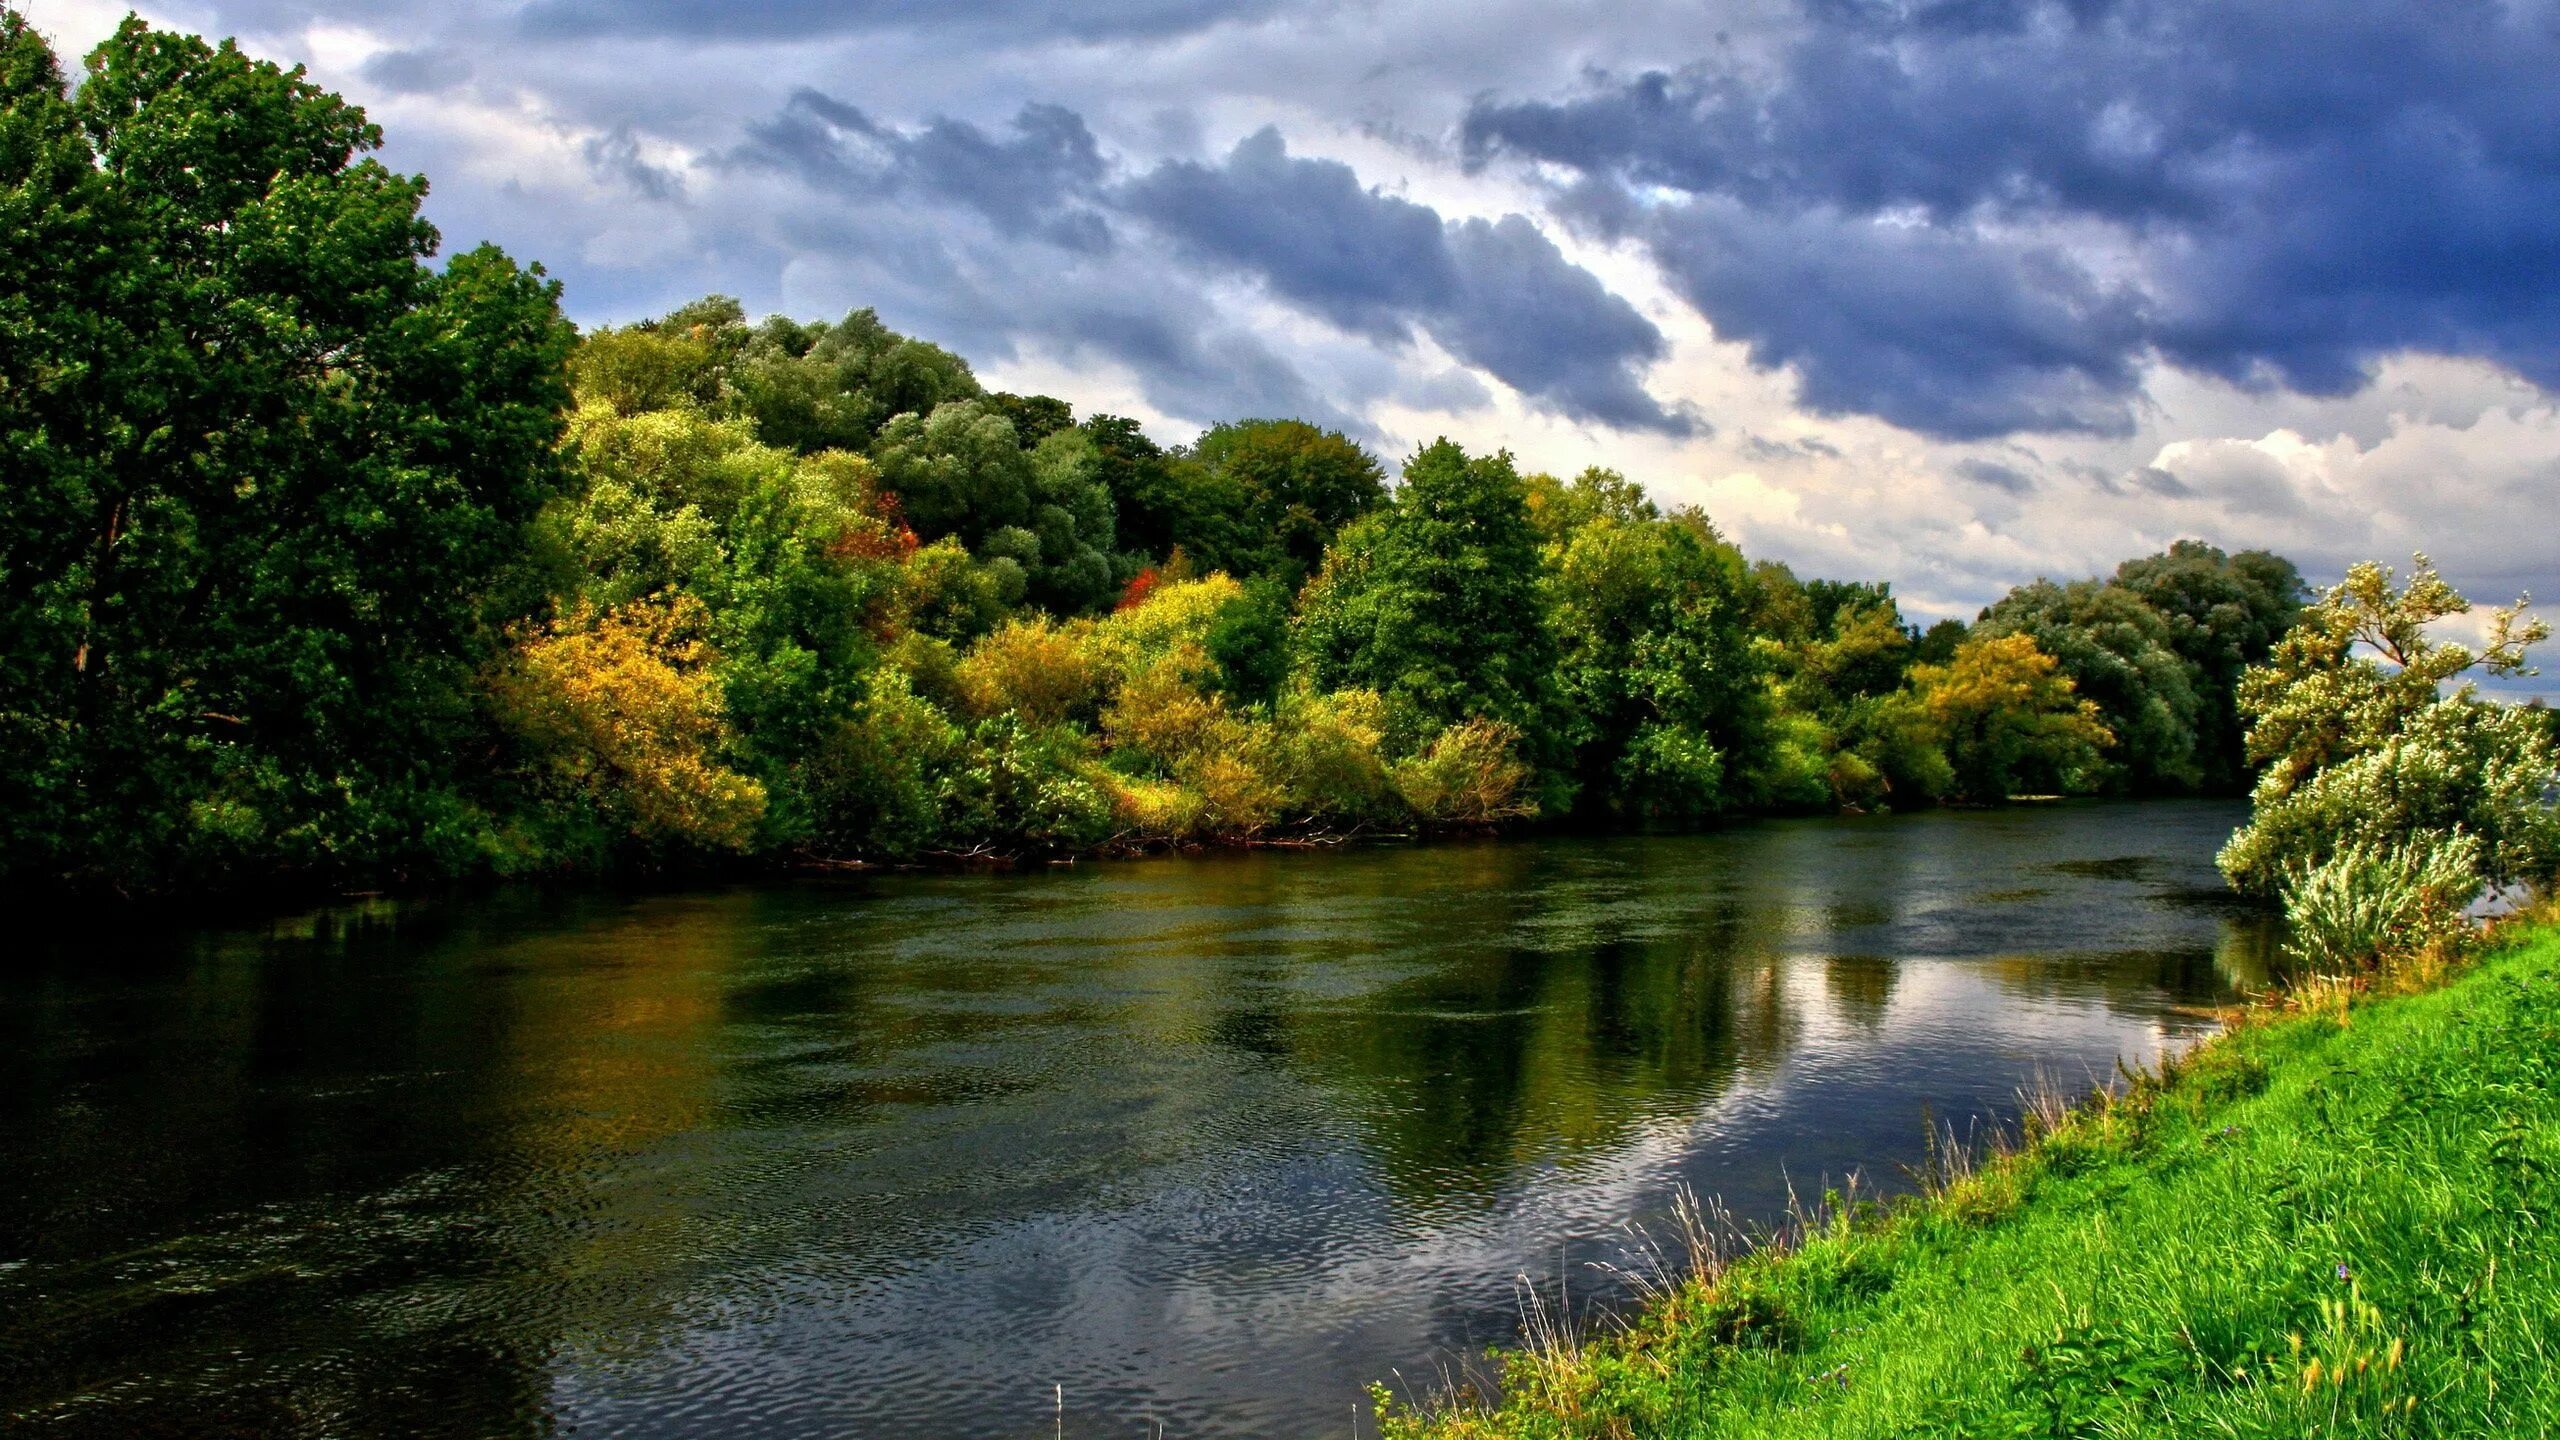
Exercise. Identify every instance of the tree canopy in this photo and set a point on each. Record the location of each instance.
(329, 559)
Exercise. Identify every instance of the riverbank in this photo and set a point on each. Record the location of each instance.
(2332, 1221)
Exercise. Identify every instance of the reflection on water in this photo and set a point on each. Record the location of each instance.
(1209, 1142)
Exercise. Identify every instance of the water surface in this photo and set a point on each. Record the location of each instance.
(1209, 1142)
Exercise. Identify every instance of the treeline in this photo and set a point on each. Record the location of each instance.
(323, 564)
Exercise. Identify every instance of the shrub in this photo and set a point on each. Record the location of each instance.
(1020, 784)
(1037, 669)
(1670, 771)
(1329, 749)
(2369, 903)
(1161, 716)
(875, 780)
(626, 708)
(1175, 618)
(1470, 774)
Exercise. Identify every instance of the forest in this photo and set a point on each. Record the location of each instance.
(330, 564)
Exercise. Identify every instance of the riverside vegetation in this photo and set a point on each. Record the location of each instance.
(2331, 1220)
(326, 567)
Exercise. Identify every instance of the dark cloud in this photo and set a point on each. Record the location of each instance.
(1033, 183)
(1992, 473)
(1549, 329)
(1921, 327)
(615, 157)
(1363, 260)
(1766, 450)
(1983, 215)
(416, 72)
(1018, 21)
(1496, 294)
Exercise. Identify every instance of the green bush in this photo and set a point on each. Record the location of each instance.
(2368, 903)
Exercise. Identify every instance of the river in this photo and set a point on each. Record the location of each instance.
(1198, 1145)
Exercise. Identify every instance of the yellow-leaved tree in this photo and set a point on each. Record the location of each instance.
(2011, 721)
(625, 708)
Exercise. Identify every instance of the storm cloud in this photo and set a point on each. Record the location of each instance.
(1972, 218)
(1971, 290)
(1496, 294)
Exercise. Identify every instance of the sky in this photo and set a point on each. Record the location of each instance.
(1956, 293)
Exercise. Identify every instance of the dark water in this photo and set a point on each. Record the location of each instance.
(1210, 1142)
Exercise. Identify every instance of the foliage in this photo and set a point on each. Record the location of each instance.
(1470, 774)
(323, 565)
(268, 473)
(2225, 614)
(2372, 751)
(2011, 721)
(1036, 668)
(2119, 654)
(878, 777)
(624, 710)
(1286, 487)
(1026, 786)
(2369, 903)
(1434, 601)
(1653, 661)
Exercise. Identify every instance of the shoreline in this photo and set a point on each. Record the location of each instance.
(2072, 1277)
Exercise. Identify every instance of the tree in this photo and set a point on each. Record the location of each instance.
(2225, 614)
(1290, 486)
(1558, 508)
(2365, 750)
(1654, 662)
(2119, 654)
(269, 476)
(1434, 602)
(960, 471)
(2010, 721)
(832, 387)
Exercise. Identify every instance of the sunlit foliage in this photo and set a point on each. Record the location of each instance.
(2010, 720)
(625, 709)
(2364, 746)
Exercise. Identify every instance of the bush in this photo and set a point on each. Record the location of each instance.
(875, 781)
(1035, 668)
(1670, 771)
(1028, 786)
(625, 708)
(1471, 774)
(1330, 750)
(2369, 903)
(1164, 719)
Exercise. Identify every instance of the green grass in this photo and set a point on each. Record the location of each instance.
(2340, 1223)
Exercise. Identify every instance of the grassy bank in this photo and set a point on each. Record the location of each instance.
(2337, 1221)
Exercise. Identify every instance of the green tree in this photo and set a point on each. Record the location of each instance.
(2119, 653)
(1434, 602)
(1654, 661)
(2366, 751)
(1273, 492)
(2225, 614)
(812, 387)
(269, 477)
